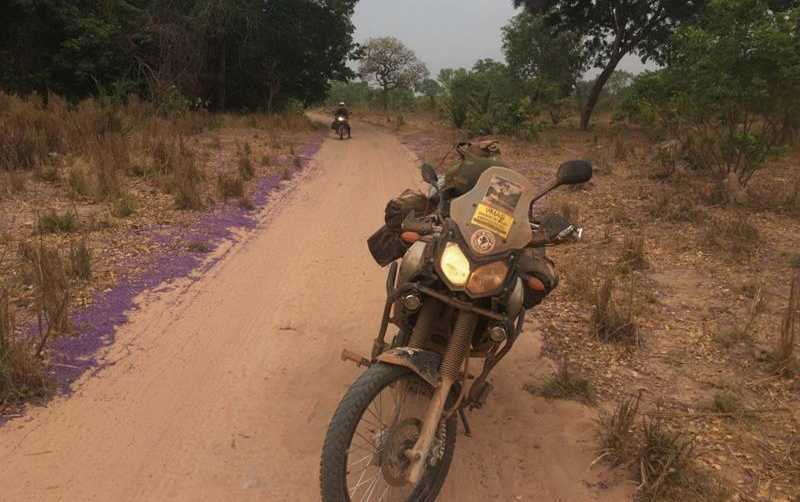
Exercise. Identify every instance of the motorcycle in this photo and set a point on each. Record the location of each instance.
(342, 126)
(456, 295)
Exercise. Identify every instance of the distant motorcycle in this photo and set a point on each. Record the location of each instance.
(342, 126)
(455, 295)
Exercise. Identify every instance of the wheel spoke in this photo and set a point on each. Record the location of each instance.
(374, 459)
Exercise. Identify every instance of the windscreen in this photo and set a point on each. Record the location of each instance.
(493, 216)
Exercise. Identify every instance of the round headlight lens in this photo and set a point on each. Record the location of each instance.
(454, 264)
(488, 278)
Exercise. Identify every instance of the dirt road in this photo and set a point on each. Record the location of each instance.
(222, 388)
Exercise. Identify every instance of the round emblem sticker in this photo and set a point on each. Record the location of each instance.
(482, 241)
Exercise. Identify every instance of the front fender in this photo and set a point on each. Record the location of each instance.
(422, 362)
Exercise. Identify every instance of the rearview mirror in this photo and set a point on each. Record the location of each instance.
(429, 174)
(574, 172)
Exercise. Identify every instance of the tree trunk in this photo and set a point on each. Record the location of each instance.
(597, 88)
(274, 89)
(385, 99)
(222, 69)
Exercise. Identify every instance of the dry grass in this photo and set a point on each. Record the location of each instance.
(579, 278)
(736, 237)
(52, 222)
(613, 321)
(45, 271)
(743, 332)
(570, 212)
(661, 458)
(78, 182)
(13, 183)
(230, 186)
(616, 434)
(22, 374)
(634, 256)
(565, 385)
(246, 169)
(199, 247)
(186, 182)
(126, 205)
(664, 457)
(729, 404)
(80, 260)
(675, 206)
(784, 357)
(246, 204)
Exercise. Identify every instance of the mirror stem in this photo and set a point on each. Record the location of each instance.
(549, 188)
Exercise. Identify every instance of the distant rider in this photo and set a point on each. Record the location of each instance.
(341, 111)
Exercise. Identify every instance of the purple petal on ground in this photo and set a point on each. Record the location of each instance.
(96, 325)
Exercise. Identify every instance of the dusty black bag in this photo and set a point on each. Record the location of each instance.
(398, 208)
(386, 246)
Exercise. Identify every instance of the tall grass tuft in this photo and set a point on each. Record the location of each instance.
(22, 374)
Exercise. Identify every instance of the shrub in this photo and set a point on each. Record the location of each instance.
(52, 222)
(246, 169)
(727, 402)
(125, 205)
(110, 158)
(729, 92)
(230, 186)
(14, 182)
(199, 247)
(45, 270)
(612, 322)
(78, 182)
(22, 374)
(186, 183)
(246, 204)
(633, 255)
(580, 278)
(80, 259)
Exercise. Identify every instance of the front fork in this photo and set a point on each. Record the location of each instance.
(457, 350)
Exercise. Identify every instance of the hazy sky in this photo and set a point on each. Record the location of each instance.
(444, 33)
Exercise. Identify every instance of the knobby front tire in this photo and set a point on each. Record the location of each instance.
(342, 429)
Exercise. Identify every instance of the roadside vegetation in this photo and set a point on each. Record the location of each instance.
(121, 120)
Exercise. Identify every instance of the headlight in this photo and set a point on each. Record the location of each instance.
(454, 264)
(341, 119)
(488, 278)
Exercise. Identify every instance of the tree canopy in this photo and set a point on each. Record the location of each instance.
(239, 53)
(615, 28)
(390, 64)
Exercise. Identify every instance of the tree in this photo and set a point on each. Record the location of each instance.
(430, 89)
(239, 53)
(534, 51)
(390, 64)
(487, 99)
(729, 91)
(615, 28)
(546, 63)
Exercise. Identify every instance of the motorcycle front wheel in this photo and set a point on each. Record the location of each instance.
(379, 419)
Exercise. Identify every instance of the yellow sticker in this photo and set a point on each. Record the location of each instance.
(493, 219)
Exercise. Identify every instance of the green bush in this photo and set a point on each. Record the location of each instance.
(729, 90)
